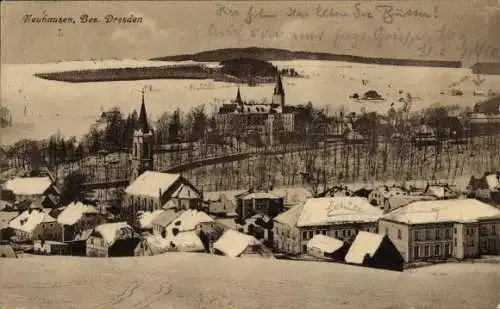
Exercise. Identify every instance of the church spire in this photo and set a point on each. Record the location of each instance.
(278, 89)
(143, 118)
(238, 97)
(279, 92)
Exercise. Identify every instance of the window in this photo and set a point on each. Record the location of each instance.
(428, 234)
(317, 232)
(344, 233)
(323, 232)
(336, 234)
(311, 234)
(438, 234)
(304, 235)
(416, 252)
(417, 235)
(447, 249)
(349, 233)
(448, 233)
(426, 250)
(455, 242)
(437, 250)
(493, 229)
(399, 233)
(455, 230)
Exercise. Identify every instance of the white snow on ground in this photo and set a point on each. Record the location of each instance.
(191, 280)
(74, 212)
(28, 220)
(365, 243)
(456, 210)
(28, 185)
(73, 107)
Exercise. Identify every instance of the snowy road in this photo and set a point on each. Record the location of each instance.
(179, 280)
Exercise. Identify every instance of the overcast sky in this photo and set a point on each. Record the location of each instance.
(170, 28)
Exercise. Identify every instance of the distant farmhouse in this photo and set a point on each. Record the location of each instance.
(41, 188)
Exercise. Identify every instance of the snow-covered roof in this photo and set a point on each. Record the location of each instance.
(291, 216)
(28, 185)
(28, 220)
(259, 195)
(327, 210)
(165, 217)
(189, 219)
(456, 210)
(233, 243)
(492, 181)
(365, 243)
(74, 212)
(293, 195)
(152, 183)
(111, 231)
(146, 218)
(188, 241)
(216, 195)
(325, 243)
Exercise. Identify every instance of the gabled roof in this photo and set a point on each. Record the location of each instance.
(325, 243)
(365, 244)
(455, 210)
(233, 243)
(166, 217)
(328, 210)
(110, 232)
(28, 185)
(146, 218)
(74, 212)
(291, 216)
(188, 241)
(29, 219)
(152, 184)
(189, 219)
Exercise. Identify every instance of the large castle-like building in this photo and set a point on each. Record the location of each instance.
(264, 119)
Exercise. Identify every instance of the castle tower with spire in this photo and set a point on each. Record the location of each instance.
(142, 145)
(279, 92)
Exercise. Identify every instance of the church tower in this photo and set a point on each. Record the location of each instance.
(279, 92)
(142, 145)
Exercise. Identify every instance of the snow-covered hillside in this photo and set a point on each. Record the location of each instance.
(180, 280)
(42, 107)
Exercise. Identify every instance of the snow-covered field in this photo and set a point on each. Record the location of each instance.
(183, 280)
(71, 107)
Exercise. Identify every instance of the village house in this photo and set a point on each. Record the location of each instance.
(219, 203)
(154, 190)
(396, 201)
(50, 247)
(235, 244)
(29, 188)
(33, 224)
(251, 203)
(116, 240)
(338, 217)
(442, 229)
(380, 194)
(77, 217)
(374, 250)
(325, 247)
(486, 187)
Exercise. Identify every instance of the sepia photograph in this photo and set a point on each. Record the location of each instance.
(250, 154)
